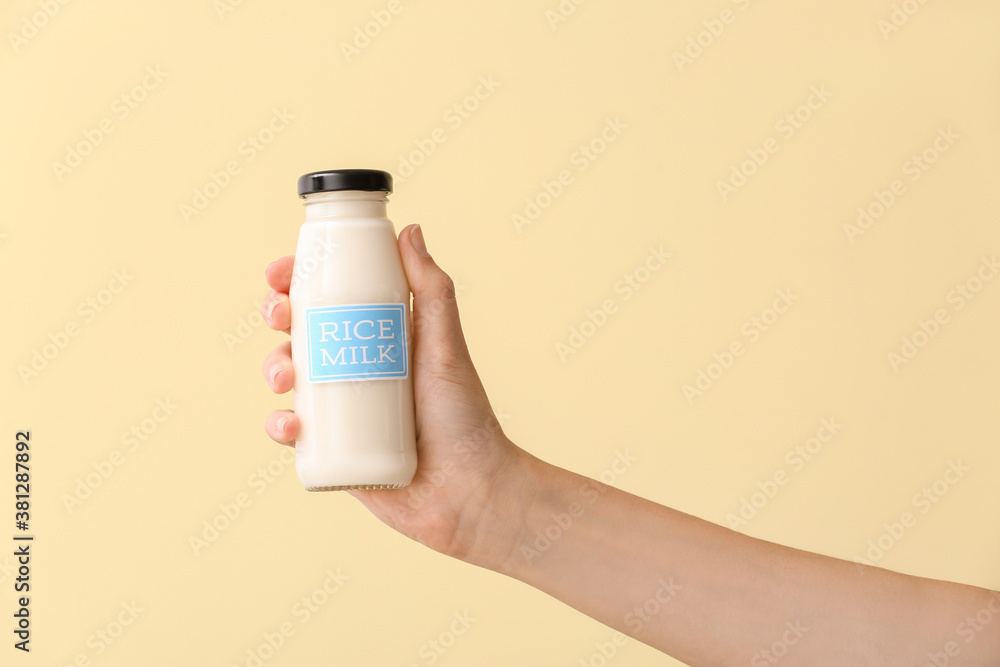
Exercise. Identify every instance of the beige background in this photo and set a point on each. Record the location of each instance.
(184, 327)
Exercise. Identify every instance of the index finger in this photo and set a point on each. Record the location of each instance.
(278, 273)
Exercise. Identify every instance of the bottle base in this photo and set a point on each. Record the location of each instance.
(357, 486)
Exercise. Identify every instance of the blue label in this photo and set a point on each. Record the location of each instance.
(356, 342)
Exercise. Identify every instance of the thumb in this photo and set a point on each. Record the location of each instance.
(437, 328)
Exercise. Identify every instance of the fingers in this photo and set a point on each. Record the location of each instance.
(275, 308)
(282, 426)
(435, 311)
(278, 273)
(278, 371)
(277, 311)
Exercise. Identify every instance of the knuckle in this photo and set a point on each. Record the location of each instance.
(446, 288)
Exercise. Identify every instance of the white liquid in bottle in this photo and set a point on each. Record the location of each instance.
(352, 338)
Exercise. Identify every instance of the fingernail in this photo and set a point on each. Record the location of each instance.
(277, 368)
(417, 239)
(270, 309)
(281, 424)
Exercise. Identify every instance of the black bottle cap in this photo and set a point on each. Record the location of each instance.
(371, 180)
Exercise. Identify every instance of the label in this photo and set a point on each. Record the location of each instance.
(364, 341)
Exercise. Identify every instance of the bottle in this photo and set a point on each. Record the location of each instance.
(352, 337)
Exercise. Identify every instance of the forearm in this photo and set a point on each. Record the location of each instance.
(710, 596)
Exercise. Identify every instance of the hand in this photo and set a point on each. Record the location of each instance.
(471, 481)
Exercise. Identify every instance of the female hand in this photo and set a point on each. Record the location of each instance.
(471, 480)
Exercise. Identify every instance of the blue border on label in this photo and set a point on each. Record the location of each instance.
(374, 375)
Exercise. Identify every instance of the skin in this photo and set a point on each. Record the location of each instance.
(697, 591)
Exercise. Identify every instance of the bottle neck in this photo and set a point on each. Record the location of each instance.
(346, 204)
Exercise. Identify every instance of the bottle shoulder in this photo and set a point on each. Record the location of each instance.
(346, 263)
(346, 221)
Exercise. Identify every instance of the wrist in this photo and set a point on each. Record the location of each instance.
(510, 496)
(531, 506)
